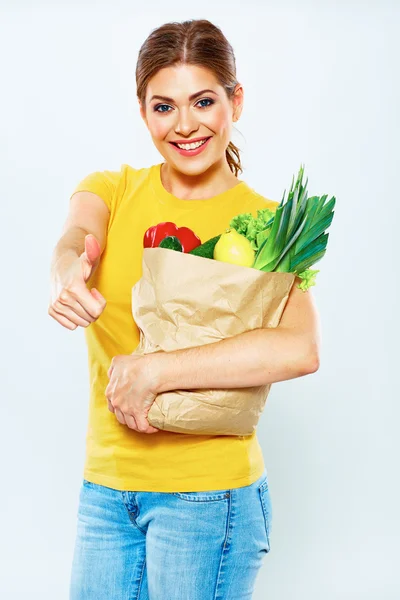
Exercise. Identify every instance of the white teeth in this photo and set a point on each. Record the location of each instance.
(191, 146)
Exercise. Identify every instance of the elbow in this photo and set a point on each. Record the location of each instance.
(312, 363)
(311, 357)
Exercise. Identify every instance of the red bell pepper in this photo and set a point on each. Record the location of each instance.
(156, 233)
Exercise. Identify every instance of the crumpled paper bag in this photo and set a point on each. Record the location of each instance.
(183, 300)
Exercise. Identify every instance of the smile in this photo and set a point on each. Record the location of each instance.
(191, 146)
(191, 149)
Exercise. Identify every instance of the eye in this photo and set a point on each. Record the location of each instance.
(158, 107)
(206, 100)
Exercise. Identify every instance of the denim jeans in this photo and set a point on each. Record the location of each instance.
(170, 545)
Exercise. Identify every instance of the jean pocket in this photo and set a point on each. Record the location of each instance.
(209, 496)
(266, 504)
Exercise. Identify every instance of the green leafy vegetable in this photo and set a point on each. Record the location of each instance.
(296, 239)
(240, 222)
(308, 276)
(255, 229)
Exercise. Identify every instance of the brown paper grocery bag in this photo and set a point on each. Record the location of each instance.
(183, 300)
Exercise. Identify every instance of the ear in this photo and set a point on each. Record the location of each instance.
(237, 102)
(142, 112)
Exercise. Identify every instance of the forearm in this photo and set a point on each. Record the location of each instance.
(252, 358)
(69, 248)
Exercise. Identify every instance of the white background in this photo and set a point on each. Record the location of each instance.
(321, 88)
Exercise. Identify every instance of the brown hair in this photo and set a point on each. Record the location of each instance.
(195, 42)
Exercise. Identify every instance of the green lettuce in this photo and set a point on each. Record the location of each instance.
(308, 276)
(240, 222)
(255, 229)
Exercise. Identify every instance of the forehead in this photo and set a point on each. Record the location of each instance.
(180, 81)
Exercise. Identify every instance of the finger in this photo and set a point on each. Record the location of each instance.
(67, 312)
(66, 299)
(97, 295)
(143, 424)
(108, 397)
(152, 430)
(131, 422)
(120, 416)
(92, 306)
(61, 319)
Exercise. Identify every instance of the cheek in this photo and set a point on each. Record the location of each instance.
(158, 128)
(220, 121)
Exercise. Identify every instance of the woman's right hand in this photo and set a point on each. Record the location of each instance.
(71, 302)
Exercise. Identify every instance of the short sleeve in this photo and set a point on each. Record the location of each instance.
(102, 183)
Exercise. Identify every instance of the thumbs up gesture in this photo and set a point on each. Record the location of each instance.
(72, 303)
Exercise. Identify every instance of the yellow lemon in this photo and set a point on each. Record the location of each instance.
(232, 247)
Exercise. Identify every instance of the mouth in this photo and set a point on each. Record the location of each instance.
(192, 148)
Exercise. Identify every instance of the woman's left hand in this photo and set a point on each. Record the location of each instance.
(131, 390)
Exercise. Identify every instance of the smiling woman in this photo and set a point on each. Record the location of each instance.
(201, 99)
(192, 125)
(169, 515)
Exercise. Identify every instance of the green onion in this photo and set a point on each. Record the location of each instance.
(296, 235)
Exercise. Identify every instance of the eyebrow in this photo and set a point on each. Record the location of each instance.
(192, 97)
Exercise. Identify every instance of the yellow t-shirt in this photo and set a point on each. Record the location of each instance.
(117, 456)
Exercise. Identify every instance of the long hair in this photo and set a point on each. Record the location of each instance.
(195, 42)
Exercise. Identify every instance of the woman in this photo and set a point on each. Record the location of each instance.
(169, 516)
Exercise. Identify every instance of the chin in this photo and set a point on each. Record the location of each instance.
(187, 167)
(193, 169)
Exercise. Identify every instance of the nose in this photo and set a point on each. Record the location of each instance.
(186, 123)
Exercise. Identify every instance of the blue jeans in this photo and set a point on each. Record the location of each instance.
(170, 546)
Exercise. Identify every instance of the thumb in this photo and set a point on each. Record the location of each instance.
(92, 249)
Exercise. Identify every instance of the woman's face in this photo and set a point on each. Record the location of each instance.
(178, 109)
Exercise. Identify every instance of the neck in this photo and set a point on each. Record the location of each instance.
(216, 180)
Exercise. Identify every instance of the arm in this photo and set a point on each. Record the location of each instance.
(75, 257)
(87, 214)
(252, 358)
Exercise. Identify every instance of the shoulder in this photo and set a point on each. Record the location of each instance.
(115, 176)
(257, 201)
(110, 184)
(103, 183)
